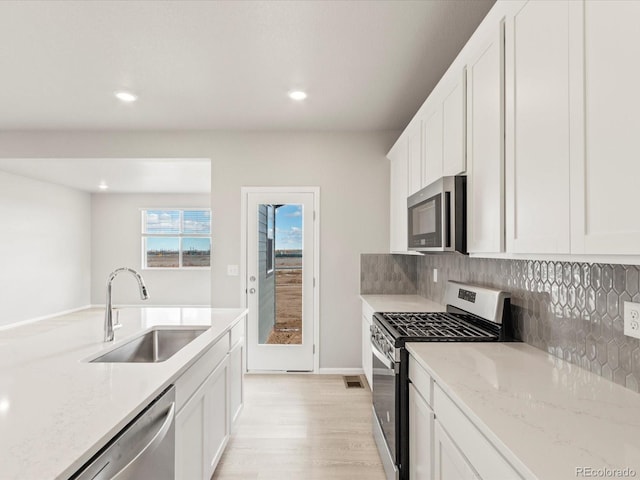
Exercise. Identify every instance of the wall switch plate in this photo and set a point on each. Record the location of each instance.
(632, 319)
(435, 275)
(233, 270)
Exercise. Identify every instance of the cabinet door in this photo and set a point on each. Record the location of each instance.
(432, 160)
(485, 145)
(449, 463)
(216, 419)
(398, 199)
(538, 123)
(605, 178)
(190, 438)
(367, 363)
(202, 427)
(236, 381)
(414, 158)
(421, 421)
(454, 161)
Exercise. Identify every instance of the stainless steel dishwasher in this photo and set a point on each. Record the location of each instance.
(144, 449)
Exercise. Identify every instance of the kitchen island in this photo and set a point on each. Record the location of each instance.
(57, 409)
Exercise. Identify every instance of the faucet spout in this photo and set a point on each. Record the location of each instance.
(108, 314)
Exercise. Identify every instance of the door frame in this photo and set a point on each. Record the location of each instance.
(244, 192)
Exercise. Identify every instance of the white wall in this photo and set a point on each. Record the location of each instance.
(116, 242)
(350, 169)
(44, 248)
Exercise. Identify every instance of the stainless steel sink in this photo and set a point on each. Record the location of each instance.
(154, 346)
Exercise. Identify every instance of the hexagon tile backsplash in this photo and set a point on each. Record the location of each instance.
(572, 310)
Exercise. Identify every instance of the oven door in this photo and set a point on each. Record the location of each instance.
(385, 405)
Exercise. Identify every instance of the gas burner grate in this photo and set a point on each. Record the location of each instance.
(437, 325)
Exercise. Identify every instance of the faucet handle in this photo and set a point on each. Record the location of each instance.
(116, 322)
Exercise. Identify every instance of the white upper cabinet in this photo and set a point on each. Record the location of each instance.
(432, 163)
(414, 157)
(605, 178)
(541, 109)
(485, 141)
(454, 161)
(398, 198)
(537, 123)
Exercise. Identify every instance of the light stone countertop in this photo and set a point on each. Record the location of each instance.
(401, 303)
(545, 415)
(57, 410)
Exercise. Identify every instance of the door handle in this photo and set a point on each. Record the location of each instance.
(252, 290)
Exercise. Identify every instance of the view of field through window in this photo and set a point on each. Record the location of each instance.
(287, 325)
(176, 238)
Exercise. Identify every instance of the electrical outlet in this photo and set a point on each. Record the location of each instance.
(435, 275)
(233, 270)
(632, 319)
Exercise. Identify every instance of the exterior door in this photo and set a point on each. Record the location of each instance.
(280, 281)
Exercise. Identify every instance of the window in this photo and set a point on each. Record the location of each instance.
(270, 257)
(173, 238)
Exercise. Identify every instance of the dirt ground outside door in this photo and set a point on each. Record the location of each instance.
(288, 324)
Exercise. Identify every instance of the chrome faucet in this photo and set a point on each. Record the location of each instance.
(108, 314)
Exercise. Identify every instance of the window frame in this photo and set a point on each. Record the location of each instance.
(180, 236)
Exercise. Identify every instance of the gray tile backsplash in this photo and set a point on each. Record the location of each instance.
(388, 274)
(571, 310)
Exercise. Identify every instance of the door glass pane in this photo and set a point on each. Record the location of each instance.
(280, 287)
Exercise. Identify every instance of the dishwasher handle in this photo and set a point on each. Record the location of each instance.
(157, 439)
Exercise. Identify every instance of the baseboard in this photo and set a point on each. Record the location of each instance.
(341, 371)
(44, 317)
(143, 305)
(322, 371)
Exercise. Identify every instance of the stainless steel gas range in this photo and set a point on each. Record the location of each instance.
(473, 314)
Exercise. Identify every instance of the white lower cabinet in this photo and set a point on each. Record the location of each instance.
(190, 439)
(209, 397)
(444, 444)
(236, 392)
(367, 361)
(420, 437)
(449, 462)
(202, 427)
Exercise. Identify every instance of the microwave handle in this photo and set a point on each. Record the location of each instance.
(446, 229)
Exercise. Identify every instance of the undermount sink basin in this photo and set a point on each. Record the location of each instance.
(156, 345)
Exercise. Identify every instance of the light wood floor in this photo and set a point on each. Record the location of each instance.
(307, 427)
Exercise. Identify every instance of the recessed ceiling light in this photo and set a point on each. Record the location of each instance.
(103, 186)
(127, 97)
(297, 95)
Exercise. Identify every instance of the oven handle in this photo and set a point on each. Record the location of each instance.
(382, 357)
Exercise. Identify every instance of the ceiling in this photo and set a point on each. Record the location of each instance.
(122, 175)
(226, 65)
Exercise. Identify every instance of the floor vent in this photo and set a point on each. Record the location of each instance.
(353, 381)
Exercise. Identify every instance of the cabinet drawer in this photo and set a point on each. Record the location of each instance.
(367, 311)
(190, 380)
(421, 380)
(237, 333)
(482, 455)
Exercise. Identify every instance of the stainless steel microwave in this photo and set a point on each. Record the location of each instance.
(437, 216)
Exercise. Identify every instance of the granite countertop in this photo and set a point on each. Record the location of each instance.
(401, 303)
(57, 410)
(545, 415)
